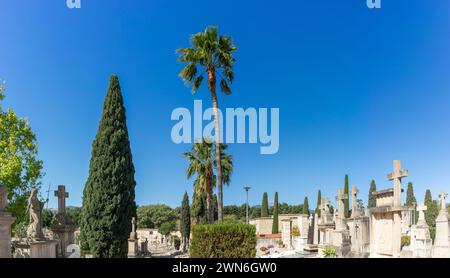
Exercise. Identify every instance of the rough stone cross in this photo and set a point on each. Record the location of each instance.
(443, 196)
(421, 208)
(62, 195)
(396, 178)
(341, 197)
(133, 225)
(355, 208)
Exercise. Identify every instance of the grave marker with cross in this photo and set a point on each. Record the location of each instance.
(355, 209)
(421, 209)
(62, 195)
(442, 197)
(396, 178)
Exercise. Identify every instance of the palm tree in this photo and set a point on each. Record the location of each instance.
(212, 54)
(202, 165)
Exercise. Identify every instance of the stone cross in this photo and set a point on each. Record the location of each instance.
(3, 197)
(396, 178)
(133, 235)
(341, 197)
(62, 195)
(355, 209)
(443, 196)
(421, 209)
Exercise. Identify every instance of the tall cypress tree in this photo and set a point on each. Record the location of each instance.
(275, 215)
(346, 203)
(306, 206)
(372, 201)
(265, 206)
(319, 200)
(411, 200)
(185, 221)
(431, 213)
(108, 196)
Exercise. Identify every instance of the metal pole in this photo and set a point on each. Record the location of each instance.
(247, 188)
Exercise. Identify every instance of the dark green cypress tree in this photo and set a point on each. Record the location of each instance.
(411, 200)
(265, 206)
(275, 215)
(372, 201)
(215, 208)
(108, 196)
(199, 208)
(319, 200)
(346, 203)
(431, 213)
(306, 206)
(185, 221)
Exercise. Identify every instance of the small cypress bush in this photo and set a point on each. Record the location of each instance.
(223, 240)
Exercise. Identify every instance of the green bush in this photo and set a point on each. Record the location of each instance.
(224, 240)
(406, 241)
(329, 252)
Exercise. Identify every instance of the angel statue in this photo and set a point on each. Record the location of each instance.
(35, 208)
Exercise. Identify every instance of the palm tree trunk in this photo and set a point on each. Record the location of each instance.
(215, 103)
(210, 207)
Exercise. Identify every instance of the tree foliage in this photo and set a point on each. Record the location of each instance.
(265, 206)
(185, 226)
(319, 200)
(275, 229)
(346, 201)
(306, 206)
(20, 168)
(372, 201)
(153, 216)
(108, 197)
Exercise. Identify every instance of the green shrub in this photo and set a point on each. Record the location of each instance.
(406, 241)
(224, 240)
(329, 252)
(176, 242)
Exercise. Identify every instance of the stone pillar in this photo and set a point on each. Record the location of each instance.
(63, 228)
(286, 233)
(442, 240)
(6, 221)
(133, 248)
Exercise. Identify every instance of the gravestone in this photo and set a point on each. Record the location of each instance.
(441, 247)
(6, 221)
(421, 243)
(359, 225)
(133, 249)
(386, 217)
(341, 235)
(63, 228)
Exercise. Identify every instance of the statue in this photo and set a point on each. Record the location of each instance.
(35, 208)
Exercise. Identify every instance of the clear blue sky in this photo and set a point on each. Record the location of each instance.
(356, 88)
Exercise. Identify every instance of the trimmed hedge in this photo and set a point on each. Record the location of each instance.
(224, 240)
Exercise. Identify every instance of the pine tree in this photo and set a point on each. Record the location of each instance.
(319, 200)
(372, 201)
(108, 196)
(346, 203)
(265, 206)
(185, 221)
(275, 215)
(306, 206)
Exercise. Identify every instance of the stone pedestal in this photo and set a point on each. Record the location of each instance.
(286, 233)
(133, 250)
(421, 243)
(66, 236)
(441, 247)
(36, 250)
(6, 221)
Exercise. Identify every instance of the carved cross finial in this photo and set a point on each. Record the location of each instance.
(442, 197)
(62, 195)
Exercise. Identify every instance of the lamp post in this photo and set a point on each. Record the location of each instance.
(247, 188)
